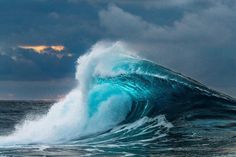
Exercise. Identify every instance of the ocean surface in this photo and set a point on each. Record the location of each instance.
(123, 105)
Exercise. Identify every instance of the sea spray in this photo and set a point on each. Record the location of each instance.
(69, 118)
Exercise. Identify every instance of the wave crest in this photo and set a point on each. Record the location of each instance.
(115, 91)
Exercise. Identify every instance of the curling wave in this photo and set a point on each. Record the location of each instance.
(125, 98)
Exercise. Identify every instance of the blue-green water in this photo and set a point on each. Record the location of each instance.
(123, 106)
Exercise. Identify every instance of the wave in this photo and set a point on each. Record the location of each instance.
(126, 97)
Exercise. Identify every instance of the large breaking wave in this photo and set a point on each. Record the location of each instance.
(123, 97)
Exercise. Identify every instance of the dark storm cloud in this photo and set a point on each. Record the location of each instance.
(27, 65)
(48, 22)
(200, 44)
(194, 37)
(42, 22)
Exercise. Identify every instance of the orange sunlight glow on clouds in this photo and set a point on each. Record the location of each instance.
(41, 48)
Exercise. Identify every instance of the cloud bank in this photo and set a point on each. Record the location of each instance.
(200, 44)
(193, 37)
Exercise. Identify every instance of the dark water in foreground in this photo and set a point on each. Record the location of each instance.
(183, 137)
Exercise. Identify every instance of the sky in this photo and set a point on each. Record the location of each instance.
(40, 40)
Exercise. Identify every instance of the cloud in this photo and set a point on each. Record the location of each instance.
(191, 28)
(194, 37)
(57, 24)
(147, 4)
(159, 4)
(19, 65)
(126, 25)
(42, 48)
(52, 50)
(200, 44)
(60, 23)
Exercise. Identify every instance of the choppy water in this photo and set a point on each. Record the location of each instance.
(123, 106)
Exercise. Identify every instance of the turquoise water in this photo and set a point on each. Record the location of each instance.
(123, 105)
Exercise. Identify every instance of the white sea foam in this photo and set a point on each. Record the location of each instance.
(69, 118)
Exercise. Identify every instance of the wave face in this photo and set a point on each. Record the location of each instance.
(124, 98)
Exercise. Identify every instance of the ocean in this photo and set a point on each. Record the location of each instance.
(123, 105)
